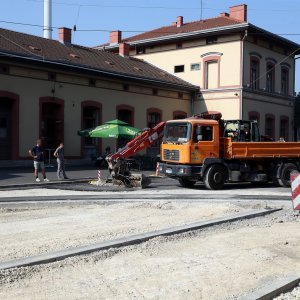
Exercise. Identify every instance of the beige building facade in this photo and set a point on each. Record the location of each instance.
(53, 99)
(242, 70)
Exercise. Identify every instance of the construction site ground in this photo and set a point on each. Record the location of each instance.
(228, 261)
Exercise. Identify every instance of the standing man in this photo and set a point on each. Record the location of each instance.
(37, 152)
(60, 157)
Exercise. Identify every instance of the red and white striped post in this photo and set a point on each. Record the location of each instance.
(99, 175)
(157, 169)
(295, 185)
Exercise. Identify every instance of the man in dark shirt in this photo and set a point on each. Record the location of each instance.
(37, 152)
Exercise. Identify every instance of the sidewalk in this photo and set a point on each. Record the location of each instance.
(14, 177)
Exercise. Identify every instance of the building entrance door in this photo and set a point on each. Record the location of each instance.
(52, 124)
(5, 129)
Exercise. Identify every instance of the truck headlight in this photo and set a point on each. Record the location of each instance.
(181, 171)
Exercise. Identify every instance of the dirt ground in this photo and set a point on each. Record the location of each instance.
(34, 228)
(226, 262)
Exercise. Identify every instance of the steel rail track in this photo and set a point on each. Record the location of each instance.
(144, 197)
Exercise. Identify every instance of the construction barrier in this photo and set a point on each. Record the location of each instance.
(295, 185)
(157, 169)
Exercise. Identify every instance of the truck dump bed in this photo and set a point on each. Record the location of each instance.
(251, 150)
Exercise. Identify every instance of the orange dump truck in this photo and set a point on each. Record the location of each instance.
(208, 149)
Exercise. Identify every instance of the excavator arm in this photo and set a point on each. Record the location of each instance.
(117, 161)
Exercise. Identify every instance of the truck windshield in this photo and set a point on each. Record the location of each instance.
(177, 133)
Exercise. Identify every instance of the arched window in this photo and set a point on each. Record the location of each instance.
(270, 125)
(270, 80)
(154, 116)
(254, 116)
(284, 81)
(284, 127)
(179, 115)
(211, 70)
(51, 121)
(9, 125)
(91, 112)
(254, 72)
(125, 113)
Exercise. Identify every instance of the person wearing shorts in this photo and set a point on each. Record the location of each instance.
(37, 153)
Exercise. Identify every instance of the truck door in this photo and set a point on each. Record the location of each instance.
(205, 143)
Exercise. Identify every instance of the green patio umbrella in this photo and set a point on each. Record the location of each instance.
(111, 129)
(85, 132)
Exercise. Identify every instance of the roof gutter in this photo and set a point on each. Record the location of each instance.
(177, 86)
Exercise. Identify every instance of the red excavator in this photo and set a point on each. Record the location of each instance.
(117, 165)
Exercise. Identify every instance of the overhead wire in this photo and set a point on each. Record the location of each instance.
(157, 7)
(129, 31)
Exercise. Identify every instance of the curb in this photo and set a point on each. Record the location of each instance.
(126, 241)
(43, 184)
(273, 290)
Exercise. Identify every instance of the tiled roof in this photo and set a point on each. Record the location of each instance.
(53, 51)
(186, 28)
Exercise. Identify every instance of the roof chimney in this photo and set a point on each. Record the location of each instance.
(65, 35)
(115, 37)
(124, 49)
(239, 12)
(179, 22)
(224, 14)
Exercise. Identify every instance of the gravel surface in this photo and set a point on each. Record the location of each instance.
(222, 262)
(32, 229)
(228, 261)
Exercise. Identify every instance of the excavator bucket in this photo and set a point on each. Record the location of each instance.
(133, 180)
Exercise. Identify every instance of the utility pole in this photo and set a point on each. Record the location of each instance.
(201, 11)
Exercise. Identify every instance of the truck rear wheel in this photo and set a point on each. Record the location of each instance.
(215, 177)
(284, 179)
(186, 182)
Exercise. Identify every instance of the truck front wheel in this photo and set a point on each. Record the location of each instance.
(215, 177)
(284, 179)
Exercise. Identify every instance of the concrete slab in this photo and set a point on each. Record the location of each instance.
(282, 285)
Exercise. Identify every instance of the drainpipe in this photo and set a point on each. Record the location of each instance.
(242, 74)
(295, 128)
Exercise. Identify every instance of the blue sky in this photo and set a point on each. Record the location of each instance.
(100, 16)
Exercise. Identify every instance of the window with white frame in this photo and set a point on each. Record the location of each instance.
(195, 67)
